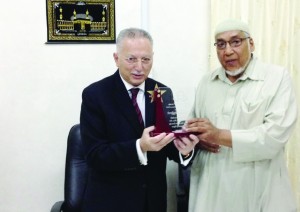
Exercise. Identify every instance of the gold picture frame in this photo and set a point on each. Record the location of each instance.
(73, 21)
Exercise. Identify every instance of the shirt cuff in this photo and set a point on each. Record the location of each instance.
(187, 161)
(142, 156)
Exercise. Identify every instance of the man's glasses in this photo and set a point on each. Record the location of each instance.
(134, 60)
(235, 42)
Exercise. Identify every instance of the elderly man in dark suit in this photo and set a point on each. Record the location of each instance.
(127, 166)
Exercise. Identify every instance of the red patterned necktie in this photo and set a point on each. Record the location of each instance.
(134, 93)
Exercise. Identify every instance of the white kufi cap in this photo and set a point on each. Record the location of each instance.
(231, 25)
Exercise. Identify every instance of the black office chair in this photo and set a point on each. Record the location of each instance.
(75, 174)
(76, 177)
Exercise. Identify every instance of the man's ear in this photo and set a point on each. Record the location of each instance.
(115, 55)
(252, 46)
(116, 58)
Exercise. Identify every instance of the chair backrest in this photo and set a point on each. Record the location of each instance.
(75, 171)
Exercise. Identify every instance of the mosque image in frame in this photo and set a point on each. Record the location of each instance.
(77, 21)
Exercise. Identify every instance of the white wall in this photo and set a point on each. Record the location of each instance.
(41, 84)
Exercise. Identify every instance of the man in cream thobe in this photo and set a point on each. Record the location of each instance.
(248, 109)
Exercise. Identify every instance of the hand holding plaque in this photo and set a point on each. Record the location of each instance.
(165, 112)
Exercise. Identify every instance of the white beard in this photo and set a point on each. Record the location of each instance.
(240, 70)
(235, 73)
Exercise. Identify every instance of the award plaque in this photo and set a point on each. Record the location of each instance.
(165, 112)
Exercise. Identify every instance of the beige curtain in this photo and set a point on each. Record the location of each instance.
(275, 27)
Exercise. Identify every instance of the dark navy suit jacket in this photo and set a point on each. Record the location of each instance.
(109, 126)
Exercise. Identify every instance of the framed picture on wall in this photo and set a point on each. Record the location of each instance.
(88, 21)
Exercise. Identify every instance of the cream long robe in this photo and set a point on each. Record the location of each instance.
(260, 110)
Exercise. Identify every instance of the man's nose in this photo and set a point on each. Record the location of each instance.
(228, 49)
(139, 64)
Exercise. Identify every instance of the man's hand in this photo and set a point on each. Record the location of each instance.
(155, 143)
(209, 135)
(211, 147)
(186, 144)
